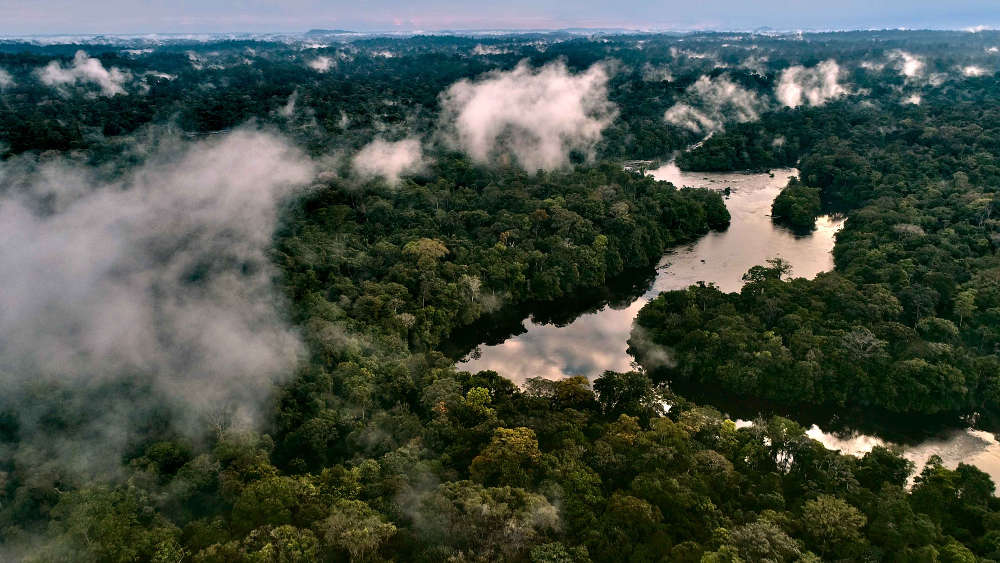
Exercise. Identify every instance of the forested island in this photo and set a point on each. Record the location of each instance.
(236, 270)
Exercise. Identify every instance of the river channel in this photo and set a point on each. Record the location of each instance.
(560, 344)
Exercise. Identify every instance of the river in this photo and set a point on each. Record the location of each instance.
(565, 344)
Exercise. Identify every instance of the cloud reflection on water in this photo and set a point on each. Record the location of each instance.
(596, 342)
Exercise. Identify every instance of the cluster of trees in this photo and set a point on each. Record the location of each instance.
(418, 261)
(797, 206)
(379, 449)
(908, 321)
(475, 469)
(387, 85)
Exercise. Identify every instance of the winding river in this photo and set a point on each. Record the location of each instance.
(565, 344)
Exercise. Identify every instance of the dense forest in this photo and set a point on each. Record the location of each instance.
(408, 227)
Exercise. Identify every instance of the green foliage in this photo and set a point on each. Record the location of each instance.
(832, 527)
(511, 458)
(355, 528)
(797, 206)
(381, 450)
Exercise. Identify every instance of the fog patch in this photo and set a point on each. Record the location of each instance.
(389, 160)
(712, 102)
(321, 64)
(161, 75)
(815, 86)
(656, 73)
(538, 116)
(908, 65)
(481, 50)
(755, 63)
(676, 53)
(6, 80)
(141, 298)
(288, 110)
(652, 355)
(85, 70)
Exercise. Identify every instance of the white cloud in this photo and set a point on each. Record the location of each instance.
(6, 80)
(288, 110)
(815, 85)
(973, 70)
(676, 53)
(712, 102)
(84, 70)
(390, 160)
(686, 117)
(481, 49)
(912, 99)
(321, 64)
(536, 115)
(157, 74)
(158, 279)
(909, 65)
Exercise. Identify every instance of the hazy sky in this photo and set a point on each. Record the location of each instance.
(145, 16)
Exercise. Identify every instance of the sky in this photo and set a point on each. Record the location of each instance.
(22, 17)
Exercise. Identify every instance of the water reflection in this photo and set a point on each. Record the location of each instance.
(588, 339)
(596, 341)
(973, 447)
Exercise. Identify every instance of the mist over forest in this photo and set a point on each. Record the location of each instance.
(238, 276)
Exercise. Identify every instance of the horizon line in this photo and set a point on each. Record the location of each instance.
(505, 30)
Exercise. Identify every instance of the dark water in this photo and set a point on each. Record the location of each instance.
(589, 336)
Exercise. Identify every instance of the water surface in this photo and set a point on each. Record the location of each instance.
(591, 339)
(596, 341)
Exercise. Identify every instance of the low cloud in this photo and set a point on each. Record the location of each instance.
(389, 160)
(148, 293)
(160, 75)
(6, 80)
(85, 70)
(908, 65)
(321, 64)
(481, 49)
(973, 70)
(756, 63)
(654, 356)
(815, 86)
(712, 102)
(538, 116)
(288, 110)
(656, 73)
